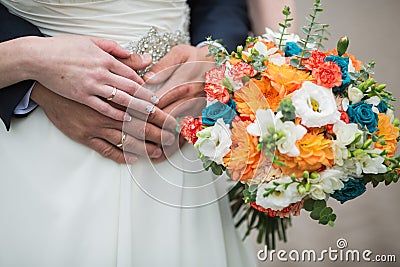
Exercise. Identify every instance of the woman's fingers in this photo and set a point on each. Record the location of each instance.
(132, 88)
(111, 47)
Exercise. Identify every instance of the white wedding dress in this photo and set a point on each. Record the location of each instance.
(62, 204)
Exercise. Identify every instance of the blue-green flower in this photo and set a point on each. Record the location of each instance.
(292, 49)
(212, 113)
(352, 189)
(343, 63)
(363, 114)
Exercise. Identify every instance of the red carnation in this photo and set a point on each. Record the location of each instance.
(242, 69)
(189, 128)
(328, 75)
(215, 75)
(315, 60)
(216, 91)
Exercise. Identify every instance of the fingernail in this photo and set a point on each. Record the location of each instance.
(154, 99)
(149, 75)
(156, 154)
(127, 117)
(146, 57)
(169, 141)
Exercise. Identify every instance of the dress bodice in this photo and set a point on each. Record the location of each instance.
(120, 20)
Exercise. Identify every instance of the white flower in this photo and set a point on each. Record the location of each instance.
(281, 197)
(289, 132)
(345, 103)
(345, 133)
(373, 165)
(355, 94)
(350, 168)
(375, 102)
(315, 105)
(328, 182)
(215, 142)
(271, 54)
(340, 153)
(287, 143)
(390, 113)
(317, 192)
(350, 66)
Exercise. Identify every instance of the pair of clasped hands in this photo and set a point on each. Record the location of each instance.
(75, 86)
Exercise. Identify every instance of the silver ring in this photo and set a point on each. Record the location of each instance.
(114, 92)
(123, 138)
(150, 108)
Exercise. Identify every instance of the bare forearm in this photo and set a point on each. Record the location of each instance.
(16, 60)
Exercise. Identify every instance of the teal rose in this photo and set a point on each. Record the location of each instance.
(352, 189)
(292, 49)
(212, 113)
(363, 114)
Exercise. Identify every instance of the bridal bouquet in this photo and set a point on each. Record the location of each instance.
(296, 125)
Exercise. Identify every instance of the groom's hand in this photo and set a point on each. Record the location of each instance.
(101, 133)
(182, 94)
(182, 70)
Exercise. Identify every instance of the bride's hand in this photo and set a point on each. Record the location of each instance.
(87, 70)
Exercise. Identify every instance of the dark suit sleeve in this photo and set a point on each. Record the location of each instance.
(222, 19)
(12, 27)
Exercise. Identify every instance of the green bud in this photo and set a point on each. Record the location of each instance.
(314, 175)
(308, 187)
(367, 144)
(369, 82)
(381, 87)
(342, 45)
(373, 155)
(357, 138)
(239, 48)
(301, 189)
(306, 174)
(396, 122)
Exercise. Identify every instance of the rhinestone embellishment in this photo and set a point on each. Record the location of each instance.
(157, 45)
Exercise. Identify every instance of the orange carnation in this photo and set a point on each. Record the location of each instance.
(286, 79)
(243, 160)
(328, 75)
(315, 152)
(389, 132)
(271, 95)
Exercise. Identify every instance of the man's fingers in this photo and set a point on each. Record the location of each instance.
(124, 71)
(131, 144)
(111, 47)
(110, 151)
(106, 109)
(148, 132)
(137, 61)
(163, 69)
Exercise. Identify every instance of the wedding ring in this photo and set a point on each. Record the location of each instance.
(150, 109)
(114, 92)
(123, 138)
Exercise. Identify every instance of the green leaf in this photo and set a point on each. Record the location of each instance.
(324, 220)
(326, 211)
(319, 204)
(315, 214)
(309, 204)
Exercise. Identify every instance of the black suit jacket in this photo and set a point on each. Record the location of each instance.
(221, 19)
(12, 27)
